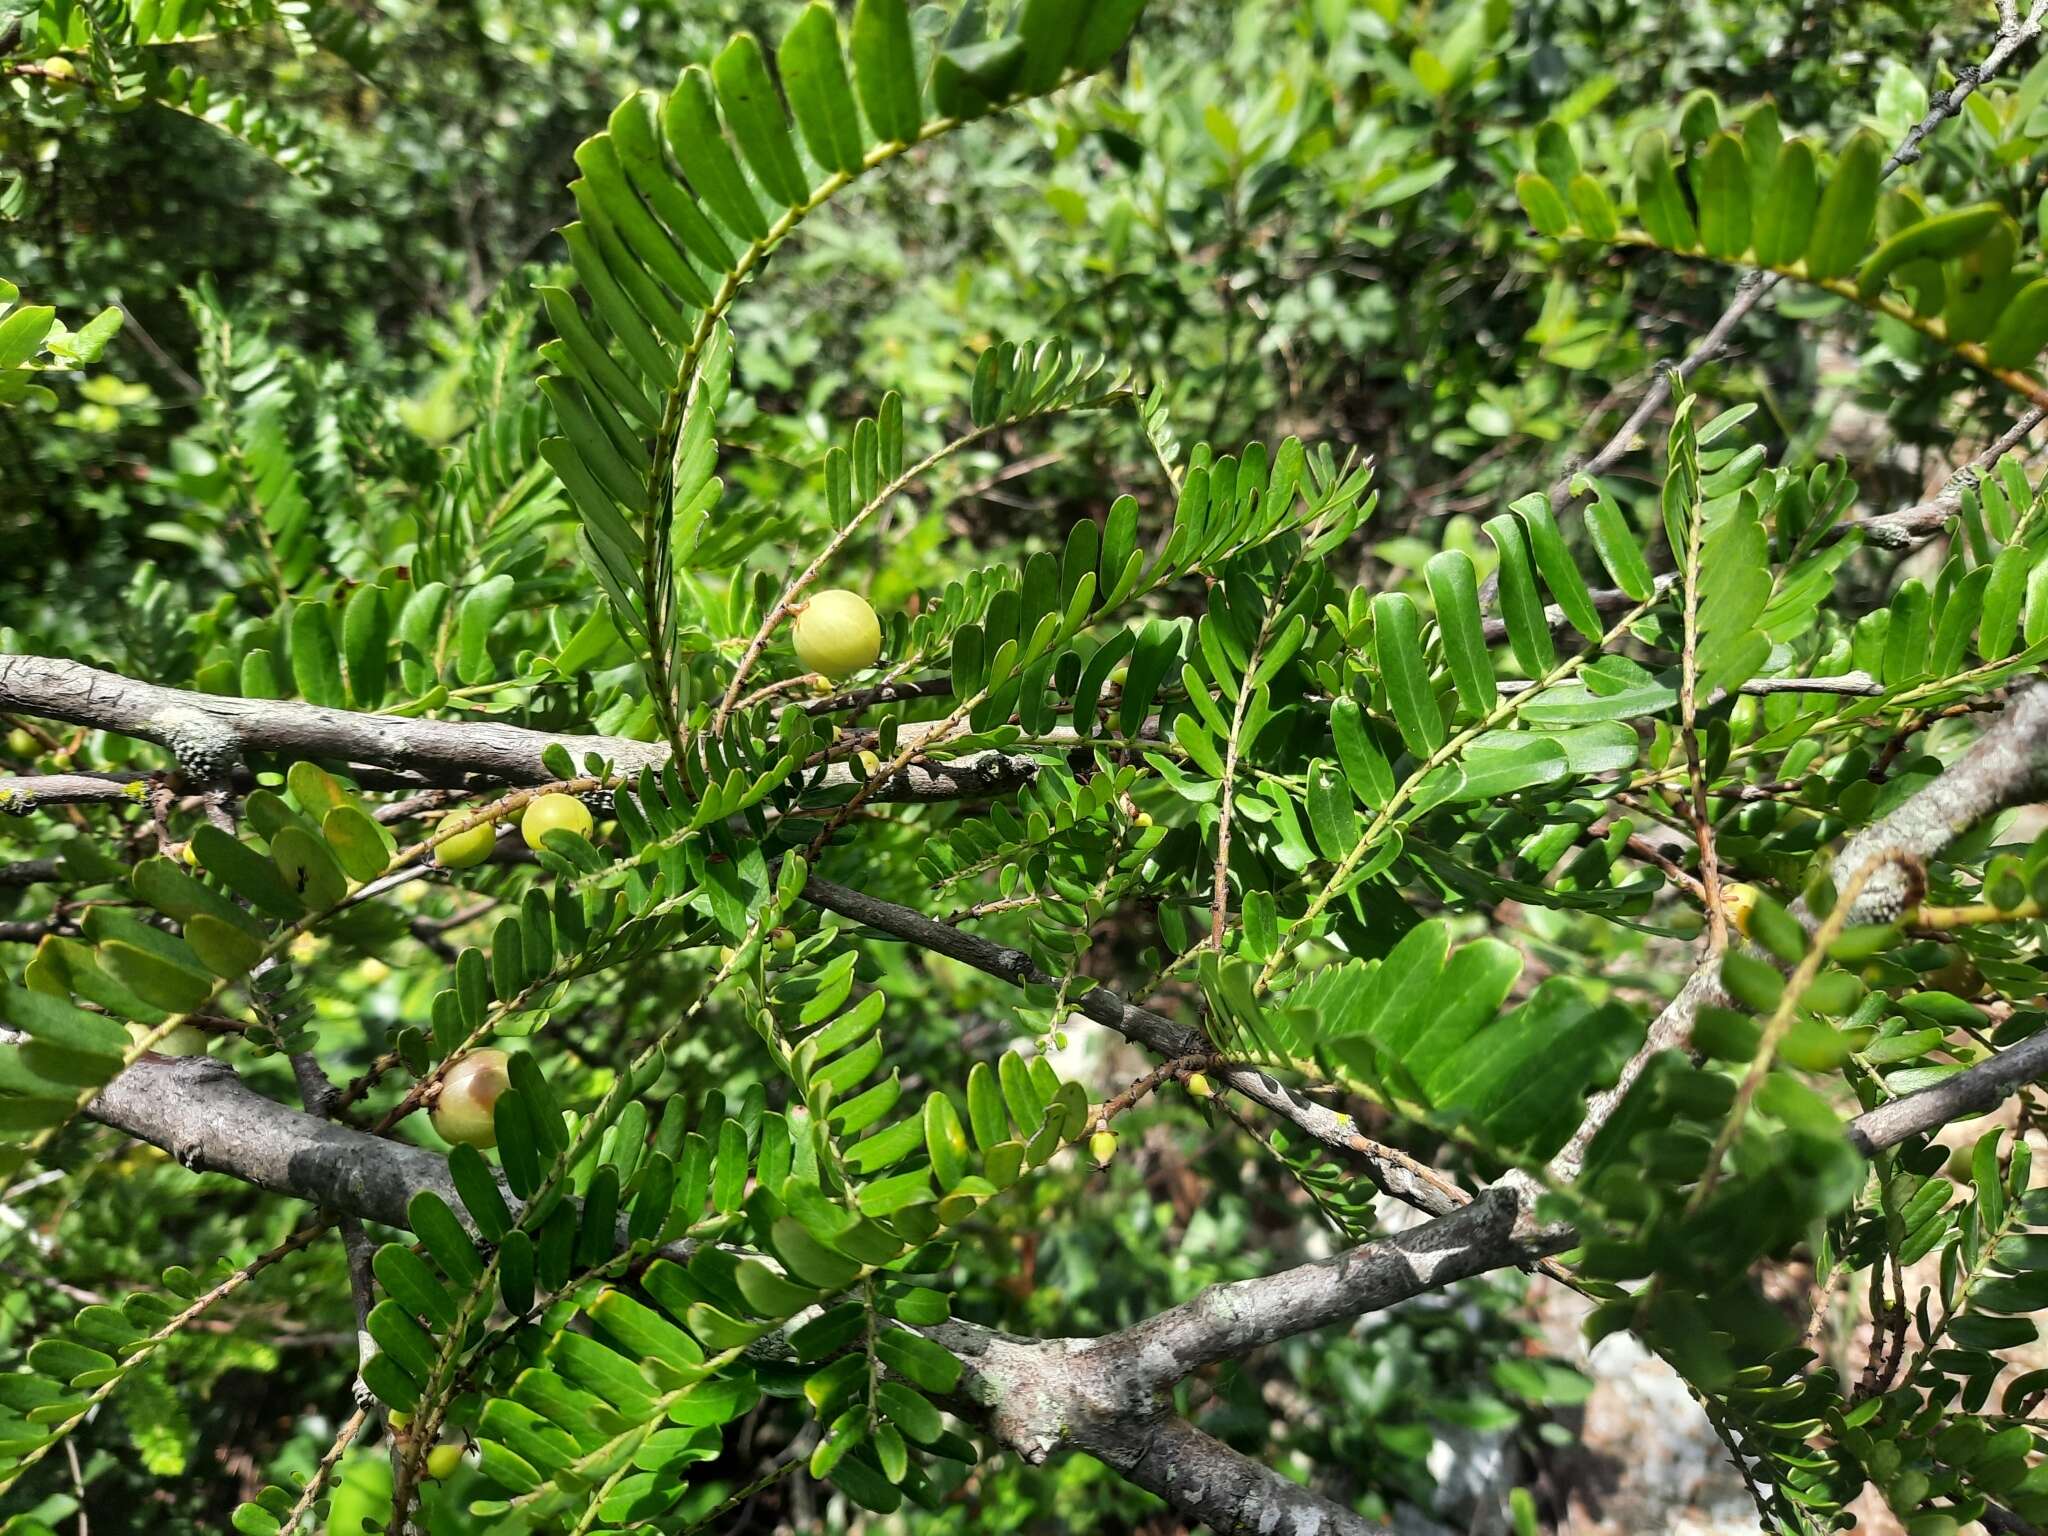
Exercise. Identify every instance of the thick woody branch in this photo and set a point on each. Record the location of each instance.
(1226, 1322)
(200, 1111)
(208, 732)
(1041, 1397)
(1210, 1483)
(1974, 1091)
(2007, 765)
(210, 1121)
(187, 723)
(24, 794)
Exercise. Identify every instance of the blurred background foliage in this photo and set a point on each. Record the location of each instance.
(1291, 217)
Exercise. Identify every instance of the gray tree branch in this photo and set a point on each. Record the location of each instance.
(208, 732)
(1910, 527)
(1043, 1396)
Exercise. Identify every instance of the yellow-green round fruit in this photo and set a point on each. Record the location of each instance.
(442, 1461)
(1199, 1086)
(469, 1093)
(837, 633)
(1102, 1147)
(398, 1421)
(1738, 901)
(467, 849)
(1142, 820)
(183, 1040)
(189, 854)
(554, 812)
(20, 743)
(783, 940)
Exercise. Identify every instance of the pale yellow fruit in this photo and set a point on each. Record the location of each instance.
(837, 633)
(467, 849)
(1102, 1147)
(442, 1461)
(554, 813)
(1199, 1086)
(1738, 901)
(469, 1093)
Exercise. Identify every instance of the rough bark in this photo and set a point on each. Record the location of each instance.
(201, 1113)
(208, 733)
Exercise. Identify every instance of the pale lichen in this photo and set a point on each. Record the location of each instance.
(207, 749)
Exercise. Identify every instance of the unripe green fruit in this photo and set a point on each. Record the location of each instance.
(551, 813)
(466, 849)
(20, 743)
(469, 1093)
(442, 1461)
(183, 1040)
(398, 1421)
(1102, 1147)
(1199, 1086)
(837, 633)
(783, 940)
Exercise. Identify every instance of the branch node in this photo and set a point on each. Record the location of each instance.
(207, 749)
